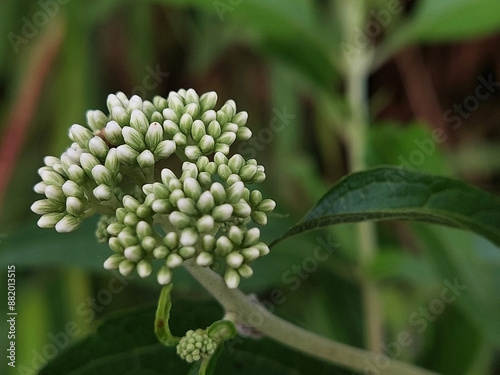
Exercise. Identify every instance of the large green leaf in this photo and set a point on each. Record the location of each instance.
(389, 193)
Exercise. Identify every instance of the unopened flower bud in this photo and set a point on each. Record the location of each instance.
(222, 213)
(164, 149)
(192, 152)
(102, 175)
(250, 254)
(74, 206)
(204, 259)
(103, 192)
(179, 219)
(98, 147)
(174, 260)
(208, 243)
(154, 135)
(240, 118)
(187, 252)
(127, 154)
(144, 268)
(224, 245)
(234, 259)
(80, 135)
(188, 237)
(96, 119)
(113, 133)
(126, 267)
(133, 138)
(160, 252)
(243, 134)
(113, 261)
(76, 173)
(232, 278)
(242, 210)
(45, 206)
(208, 101)
(139, 121)
(205, 224)
(88, 161)
(68, 223)
(245, 271)
(120, 115)
(50, 220)
(171, 240)
(146, 159)
(187, 206)
(164, 275)
(52, 178)
(235, 191)
(134, 253)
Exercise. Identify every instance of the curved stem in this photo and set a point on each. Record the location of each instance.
(256, 316)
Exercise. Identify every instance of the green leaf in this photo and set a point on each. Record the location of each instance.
(389, 193)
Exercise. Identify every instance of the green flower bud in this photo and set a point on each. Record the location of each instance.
(192, 188)
(160, 252)
(160, 191)
(192, 109)
(55, 193)
(115, 245)
(96, 120)
(189, 170)
(98, 147)
(170, 128)
(45, 206)
(130, 203)
(160, 103)
(50, 160)
(144, 268)
(134, 253)
(205, 224)
(222, 213)
(236, 163)
(179, 219)
(192, 152)
(164, 149)
(198, 130)
(175, 184)
(135, 102)
(263, 248)
(80, 135)
(113, 133)
(232, 179)
(250, 254)
(229, 108)
(126, 267)
(240, 118)
(208, 101)
(154, 135)
(146, 159)
(208, 117)
(255, 198)
(143, 211)
(115, 228)
(113, 261)
(171, 240)
(192, 97)
(259, 177)
(143, 229)
(162, 206)
(149, 110)
(187, 252)
(113, 101)
(243, 134)
(149, 243)
(195, 346)
(204, 259)
(76, 173)
(259, 217)
(187, 206)
(208, 243)
(74, 206)
(127, 154)
(235, 191)
(103, 192)
(133, 138)
(234, 259)
(40, 187)
(88, 161)
(164, 275)
(222, 117)
(235, 235)
(205, 178)
(188, 237)
(230, 128)
(68, 223)
(232, 278)
(224, 171)
(218, 192)
(206, 202)
(139, 121)
(222, 147)
(102, 175)
(121, 213)
(245, 271)
(207, 144)
(224, 246)
(120, 115)
(220, 159)
(242, 210)
(247, 172)
(112, 162)
(157, 117)
(123, 98)
(175, 196)
(174, 260)
(251, 237)
(267, 205)
(170, 115)
(185, 123)
(227, 138)
(175, 102)
(180, 139)
(50, 220)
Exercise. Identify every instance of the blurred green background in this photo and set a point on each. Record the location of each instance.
(435, 66)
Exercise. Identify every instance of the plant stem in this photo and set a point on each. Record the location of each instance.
(255, 315)
(357, 67)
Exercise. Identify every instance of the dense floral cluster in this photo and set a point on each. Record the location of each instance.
(123, 167)
(196, 345)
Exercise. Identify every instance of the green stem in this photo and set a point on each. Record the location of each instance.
(255, 315)
(357, 68)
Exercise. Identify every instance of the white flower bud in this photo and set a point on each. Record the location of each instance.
(224, 171)
(192, 96)
(68, 223)
(167, 175)
(134, 253)
(230, 128)
(205, 178)
(229, 107)
(205, 224)
(127, 154)
(45, 206)
(148, 243)
(123, 99)
(80, 135)
(175, 184)
(235, 192)
(98, 147)
(192, 109)
(103, 192)
(255, 198)
(133, 138)
(204, 259)
(206, 202)
(187, 206)
(222, 147)
(102, 175)
(263, 248)
(170, 128)
(240, 118)
(259, 177)
(192, 152)
(171, 240)
(113, 261)
(52, 178)
(160, 103)
(250, 254)
(208, 100)
(192, 188)
(130, 203)
(232, 278)
(198, 130)
(224, 245)
(242, 210)
(126, 267)
(40, 187)
(120, 115)
(54, 193)
(180, 139)
(120, 214)
(243, 134)
(222, 117)
(115, 245)
(146, 159)
(236, 162)
(154, 135)
(188, 237)
(179, 219)
(174, 260)
(267, 205)
(208, 243)
(227, 138)
(50, 160)
(96, 120)
(115, 228)
(234, 259)
(76, 173)
(88, 161)
(112, 162)
(245, 271)
(135, 102)
(143, 229)
(162, 206)
(185, 123)
(218, 192)
(113, 101)
(207, 144)
(164, 149)
(74, 206)
(113, 133)
(176, 195)
(222, 213)
(160, 252)
(187, 252)
(176, 103)
(139, 121)
(170, 115)
(251, 237)
(164, 275)
(144, 268)
(235, 235)
(189, 170)
(50, 220)
(247, 172)
(214, 128)
(232, 179)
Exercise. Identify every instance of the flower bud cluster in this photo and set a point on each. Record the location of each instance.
(115, 168)
(196, 345)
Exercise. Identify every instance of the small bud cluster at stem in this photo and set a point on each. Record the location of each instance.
(115, 167)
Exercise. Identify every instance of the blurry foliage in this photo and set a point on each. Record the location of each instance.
(271, 57)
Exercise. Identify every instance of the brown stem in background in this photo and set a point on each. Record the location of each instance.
(42, 58)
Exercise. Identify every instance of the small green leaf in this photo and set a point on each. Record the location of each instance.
(389, 193)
